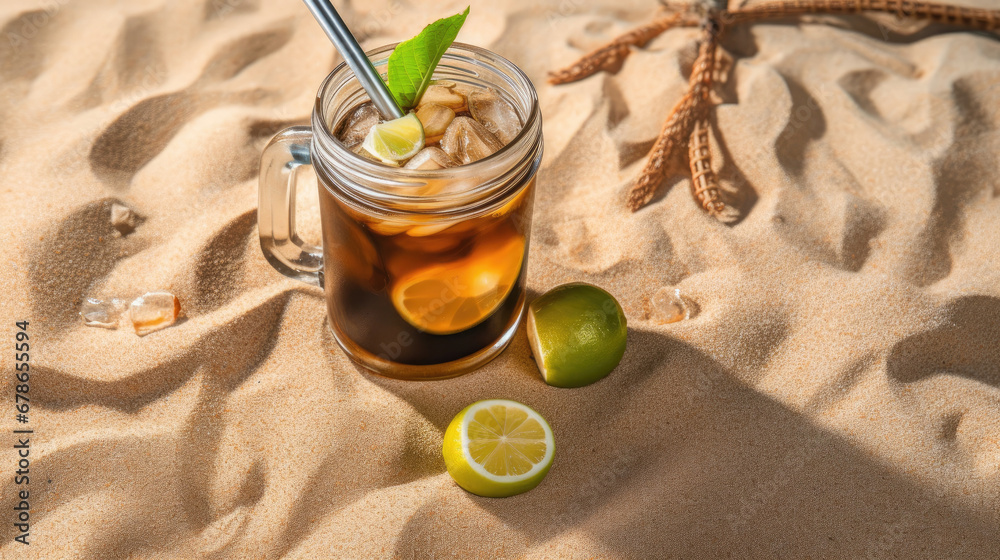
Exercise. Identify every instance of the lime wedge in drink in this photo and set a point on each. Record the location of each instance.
(498, 448)
(577, 334)
(396, 140)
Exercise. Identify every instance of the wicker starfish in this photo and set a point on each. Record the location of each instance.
(688, 124)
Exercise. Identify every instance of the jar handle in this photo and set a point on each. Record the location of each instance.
(287, 253)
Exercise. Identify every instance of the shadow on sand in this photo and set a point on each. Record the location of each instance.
(670, 456)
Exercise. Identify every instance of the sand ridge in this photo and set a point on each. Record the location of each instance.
(836, 395)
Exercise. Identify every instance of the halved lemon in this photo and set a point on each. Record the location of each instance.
(498, 448)
(396, 140)
(450, 297)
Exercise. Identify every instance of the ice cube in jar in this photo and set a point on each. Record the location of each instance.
(493, 112)
(467, 141)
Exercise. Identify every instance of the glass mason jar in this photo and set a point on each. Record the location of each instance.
(423, 270)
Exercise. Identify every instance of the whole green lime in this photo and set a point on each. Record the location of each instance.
(577, 333)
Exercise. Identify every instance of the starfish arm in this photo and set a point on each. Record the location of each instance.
(677, 128)
(614, 52)
(979, 18)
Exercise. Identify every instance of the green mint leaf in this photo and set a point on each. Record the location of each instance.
(412, 62)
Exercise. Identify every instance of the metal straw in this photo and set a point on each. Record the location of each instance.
(349, 48)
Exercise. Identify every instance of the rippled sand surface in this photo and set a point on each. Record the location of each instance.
(836, 395)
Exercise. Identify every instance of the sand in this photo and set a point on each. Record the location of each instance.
(837, 394)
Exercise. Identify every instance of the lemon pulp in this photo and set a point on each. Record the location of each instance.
(506, 441)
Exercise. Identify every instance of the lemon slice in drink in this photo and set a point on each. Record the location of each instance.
(450, 297)
(577, 334)
(396, 140)
(498, 448)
